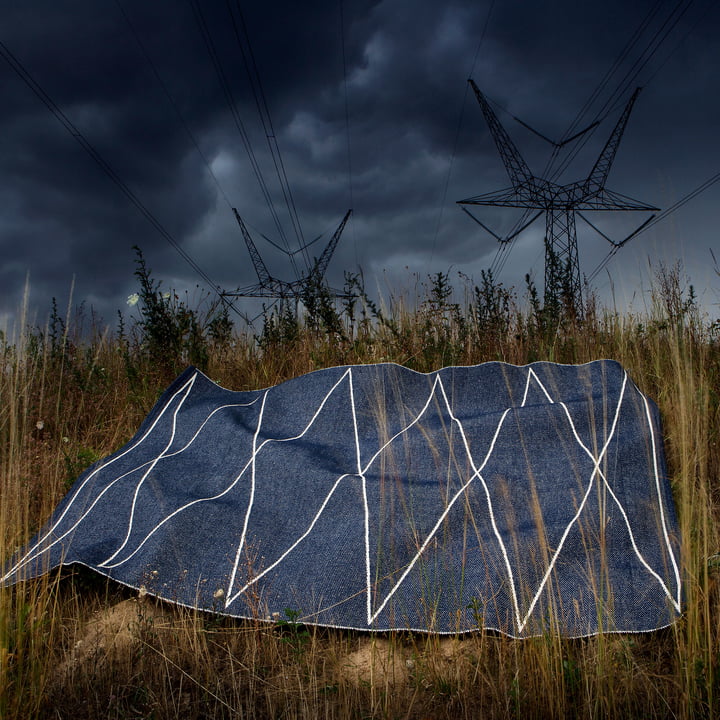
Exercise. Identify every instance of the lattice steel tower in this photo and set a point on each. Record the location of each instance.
(269, 286)
(560, 203)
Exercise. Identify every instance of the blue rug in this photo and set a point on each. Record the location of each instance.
(527, 499)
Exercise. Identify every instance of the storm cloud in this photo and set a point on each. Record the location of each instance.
(370, 109)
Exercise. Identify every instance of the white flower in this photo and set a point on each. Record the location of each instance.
(133, 299)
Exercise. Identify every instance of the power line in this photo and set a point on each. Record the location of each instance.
(269, 129)
(653, 221)
(631, 75)
(242, 38)
(650, 49)
(265, 118)
(347, 119)
(600, 87)
(711, 4)
(18, 67)
(459, 126)
(503, 251)
(559, 203)
(232, 105)
(171, 100)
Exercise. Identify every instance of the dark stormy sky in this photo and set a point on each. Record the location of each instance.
(376, 115)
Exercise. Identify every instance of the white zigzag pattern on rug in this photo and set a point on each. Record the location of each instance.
(436, 392)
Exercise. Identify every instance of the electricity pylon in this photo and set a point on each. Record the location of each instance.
(268, 286)
(560, 203)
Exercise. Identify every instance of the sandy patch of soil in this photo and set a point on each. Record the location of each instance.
(378, 663)
(114, 632)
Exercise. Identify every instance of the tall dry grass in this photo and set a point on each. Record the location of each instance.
(75, 646)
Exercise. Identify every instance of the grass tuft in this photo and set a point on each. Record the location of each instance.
(73, 645)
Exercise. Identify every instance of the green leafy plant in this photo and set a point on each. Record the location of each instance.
(294, 633)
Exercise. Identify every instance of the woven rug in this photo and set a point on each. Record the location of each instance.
(528, 500)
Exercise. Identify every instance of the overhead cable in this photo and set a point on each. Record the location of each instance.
(503, 252)
(459, 126)
(232, 105)
(17, 66)
(171, 100)
(631, 75)
(647, 53)
(261, 104)
(653, 221)
(347, 119)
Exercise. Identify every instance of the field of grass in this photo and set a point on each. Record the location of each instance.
(75, 646)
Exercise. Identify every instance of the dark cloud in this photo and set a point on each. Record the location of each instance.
(417, 137)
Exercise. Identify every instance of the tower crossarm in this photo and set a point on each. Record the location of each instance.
(521, 178)
(324, 260)
(278, 290)
(598, 175)
(261, 270)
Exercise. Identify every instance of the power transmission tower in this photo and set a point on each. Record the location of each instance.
(272, 287)
(560, 203)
